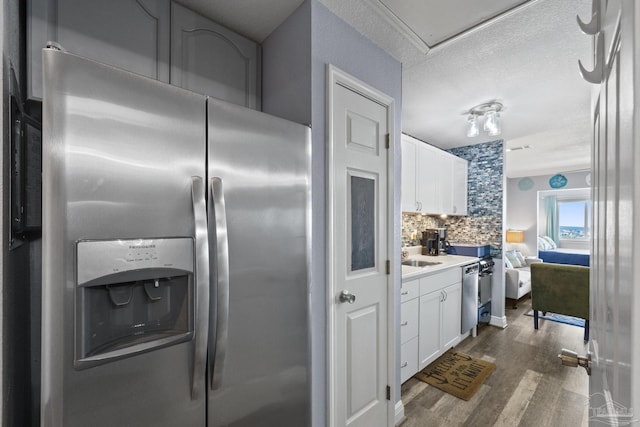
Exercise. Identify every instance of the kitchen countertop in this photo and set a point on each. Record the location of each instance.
(448, 261)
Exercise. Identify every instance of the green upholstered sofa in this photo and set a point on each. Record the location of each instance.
(560, 289)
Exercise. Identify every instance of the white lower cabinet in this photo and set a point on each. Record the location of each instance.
(429, 336)
(409, 320)
(451, 316)
(409, 315)
(430, 320)
(408, 359)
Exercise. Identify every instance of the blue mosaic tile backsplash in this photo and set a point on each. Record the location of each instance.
(483, 224)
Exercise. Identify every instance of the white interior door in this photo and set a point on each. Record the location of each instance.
(614, 385)
(359, 253)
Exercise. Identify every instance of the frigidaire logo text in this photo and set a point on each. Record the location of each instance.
(142, 246)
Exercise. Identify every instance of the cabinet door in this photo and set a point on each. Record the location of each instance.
(209, 59)
(429, 335)
(408, 359)
(451, 315)
(409, 320)
(409, 158)
(460, 185)
(444, 184)
(128, 34)
(427, 178)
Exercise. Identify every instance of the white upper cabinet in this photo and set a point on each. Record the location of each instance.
(129, 34)
(433, 181)
(155, 38)
(409, 177)
(208, 58)
(460, 186)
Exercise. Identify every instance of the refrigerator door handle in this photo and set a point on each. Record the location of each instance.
(202, 287)
(222, 282)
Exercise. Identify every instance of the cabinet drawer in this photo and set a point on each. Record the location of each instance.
(409, 320)
(440, 280)
(408, 359)
(409, 290)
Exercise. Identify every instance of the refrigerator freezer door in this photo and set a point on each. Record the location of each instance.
(261, 368)
(119, 154)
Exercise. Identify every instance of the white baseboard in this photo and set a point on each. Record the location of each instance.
(399, 412)
(500, 322)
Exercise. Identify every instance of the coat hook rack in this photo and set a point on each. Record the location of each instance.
(594, 26)
(595, 76)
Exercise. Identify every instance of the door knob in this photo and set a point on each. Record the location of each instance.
(346, 296)
(571, 358)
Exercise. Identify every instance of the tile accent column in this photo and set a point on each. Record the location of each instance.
(485, 197)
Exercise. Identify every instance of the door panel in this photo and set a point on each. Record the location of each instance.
(451, 315)
(210, 59)
(128, 34)
(360, 245)
(409, 179)
(429, 342)
(362, 337)
(613, 387)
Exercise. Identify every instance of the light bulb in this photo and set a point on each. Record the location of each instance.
(492, 123)
(496, 126)
(472, 126)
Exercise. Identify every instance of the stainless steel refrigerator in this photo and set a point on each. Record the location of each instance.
(175, 256)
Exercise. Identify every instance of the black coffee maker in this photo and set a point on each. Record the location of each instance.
(430, 242)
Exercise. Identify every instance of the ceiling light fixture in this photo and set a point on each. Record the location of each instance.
(490, 112)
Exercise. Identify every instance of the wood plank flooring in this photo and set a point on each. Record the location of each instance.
(528, 388)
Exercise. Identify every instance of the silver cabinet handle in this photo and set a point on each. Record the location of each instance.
(346, 296)
(202, 287)
(404, 365)
(404, 293)
(405, 323)
(219, 229)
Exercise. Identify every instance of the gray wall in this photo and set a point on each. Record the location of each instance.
(334, 42)
(522, 207)
(286, 68)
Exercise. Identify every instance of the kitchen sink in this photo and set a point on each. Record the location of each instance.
(419, 263)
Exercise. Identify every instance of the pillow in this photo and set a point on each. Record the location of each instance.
(507, 263)
(513, 259)
(523, 262)
(543, 245)
(550, 241)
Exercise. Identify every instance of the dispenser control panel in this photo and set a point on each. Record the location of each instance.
(100, 258)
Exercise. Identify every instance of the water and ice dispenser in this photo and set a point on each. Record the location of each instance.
(132, 296)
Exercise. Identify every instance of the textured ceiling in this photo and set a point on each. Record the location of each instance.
(435, 21)
(255, 19)
(526, 58)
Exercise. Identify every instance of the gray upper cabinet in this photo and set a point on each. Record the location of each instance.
(208, 58)
(155, 38)
(129, 34)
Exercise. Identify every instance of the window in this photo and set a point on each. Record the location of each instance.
(574, 219)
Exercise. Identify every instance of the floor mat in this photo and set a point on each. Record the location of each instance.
(457, 373)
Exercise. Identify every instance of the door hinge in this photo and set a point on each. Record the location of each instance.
(388, 393)
(386, 141)
(388, 267)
